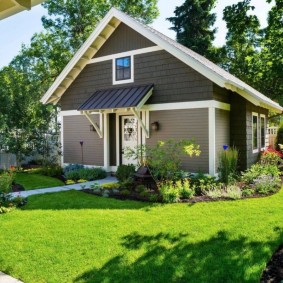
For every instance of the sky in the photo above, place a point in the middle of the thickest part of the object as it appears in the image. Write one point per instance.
(18, 29)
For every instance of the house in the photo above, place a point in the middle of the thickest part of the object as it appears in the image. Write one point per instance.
(129, 84)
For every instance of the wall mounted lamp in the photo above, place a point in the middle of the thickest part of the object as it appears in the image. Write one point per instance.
(155, 126)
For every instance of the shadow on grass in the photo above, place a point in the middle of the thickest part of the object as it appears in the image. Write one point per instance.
(167, 258)
(79, 200)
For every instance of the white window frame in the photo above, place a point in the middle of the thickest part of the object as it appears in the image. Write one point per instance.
(118, 82)
(264, 127)
(255, 150)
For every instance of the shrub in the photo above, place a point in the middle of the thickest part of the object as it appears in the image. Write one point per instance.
(258, 170)
(246, 192)
(125, 192)
(72, 167)
(233, 192)
(110, 186)
(140, 188)
(145, 194)
(86, 174)
(213, 193)
(52, 171)
(82, 181)
(6, 182)
(69, 182)
(154, 197)
(271, 158)
(201, 183)
(228, 160)
(279, 137)
(266, 184)
(184, 188)
(127, 184)
(169, 192)
(124, 172)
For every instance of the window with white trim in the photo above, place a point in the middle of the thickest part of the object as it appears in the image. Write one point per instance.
(123, 70)
(255, 132)
(262, 131)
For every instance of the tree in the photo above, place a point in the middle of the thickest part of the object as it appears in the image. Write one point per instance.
(193, 24)
(76, 19)
(242, 40)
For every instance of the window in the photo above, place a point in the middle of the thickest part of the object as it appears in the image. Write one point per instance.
(123, 70)
(262, 131)
(255, 132)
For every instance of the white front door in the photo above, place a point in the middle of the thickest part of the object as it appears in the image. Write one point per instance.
(129, 131)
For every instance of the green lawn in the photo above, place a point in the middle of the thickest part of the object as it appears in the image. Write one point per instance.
(32, 181)
(75, 237)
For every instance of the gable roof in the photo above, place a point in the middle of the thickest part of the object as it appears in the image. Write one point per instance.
(205, 67)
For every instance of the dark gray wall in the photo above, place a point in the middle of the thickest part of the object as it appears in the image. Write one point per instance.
(112, 139)
(123, 39)
(76, 129)
(222, 133)
(184, 124)
(241, 129)
(174, 81)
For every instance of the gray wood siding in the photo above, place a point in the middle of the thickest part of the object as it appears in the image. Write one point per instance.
(174, 81)
(76, 129)
(183, 124)
(222, 132)
(122, 40)
(221, 94)
(241, 129)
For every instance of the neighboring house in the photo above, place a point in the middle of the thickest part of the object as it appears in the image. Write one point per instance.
(11, 7)
(132, 85)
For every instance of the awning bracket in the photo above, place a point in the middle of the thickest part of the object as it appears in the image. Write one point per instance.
(136, 114)
(99, 129)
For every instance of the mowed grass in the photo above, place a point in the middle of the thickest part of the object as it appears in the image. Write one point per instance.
(31, 181)
(76, 237)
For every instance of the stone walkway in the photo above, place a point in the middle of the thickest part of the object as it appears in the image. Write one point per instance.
(4, 278)
(77, 187)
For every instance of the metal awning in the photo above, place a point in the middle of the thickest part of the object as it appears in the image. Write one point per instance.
(130, 98)
(117, 98)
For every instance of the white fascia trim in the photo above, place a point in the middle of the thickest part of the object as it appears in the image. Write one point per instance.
(212, 140)
(70, 113)
(187, 105)
(254, 114)
(125, 54)
(114, 81)
(100, 27)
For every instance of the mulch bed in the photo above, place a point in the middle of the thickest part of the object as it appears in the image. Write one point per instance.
(274, 270)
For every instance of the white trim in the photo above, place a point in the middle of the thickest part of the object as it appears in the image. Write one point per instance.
(262, 116)
(119, 82)
(212, 140)
(125, 54)
(106, 141)
(187, 105)
(70, 113)
(62, 137)
(254, 114)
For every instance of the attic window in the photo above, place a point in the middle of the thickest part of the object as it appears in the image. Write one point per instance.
(123, 70)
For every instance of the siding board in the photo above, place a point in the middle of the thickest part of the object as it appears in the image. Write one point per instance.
(75, 129)
(183, 124)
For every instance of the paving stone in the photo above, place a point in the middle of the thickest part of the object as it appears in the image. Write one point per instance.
(4, 278)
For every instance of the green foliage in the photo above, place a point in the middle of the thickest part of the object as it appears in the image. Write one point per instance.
(228, 160)
(233, 192)
(279, 137)
(52, 171)
(183, 186)
(81, 181)
(7, 202)
(125, 192)
(72, 167)
(202, 183)
(154, 197)
(70, 182)
(128, 183)
(6, 181)
(193, 24)
(140, 188)
(145, 194)
(266, 184)
(270, 158)
(124, 172)
(169, 192)
(248, 191)
(213, 193)
(88, 174)
(257, 170)
(110, 186)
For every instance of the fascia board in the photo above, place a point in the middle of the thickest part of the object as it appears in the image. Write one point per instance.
(78, 55)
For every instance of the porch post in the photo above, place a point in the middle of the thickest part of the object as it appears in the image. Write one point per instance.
(105, 117)
(211, 141)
